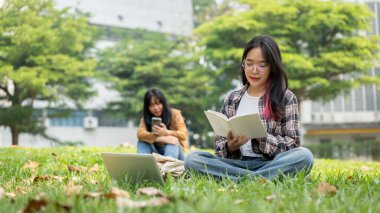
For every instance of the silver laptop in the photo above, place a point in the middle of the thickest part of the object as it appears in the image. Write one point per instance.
(133, 168)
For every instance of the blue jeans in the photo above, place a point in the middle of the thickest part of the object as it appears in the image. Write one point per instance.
(289, 162)
(168, 150)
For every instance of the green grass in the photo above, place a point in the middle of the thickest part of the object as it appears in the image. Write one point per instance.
(357, 185)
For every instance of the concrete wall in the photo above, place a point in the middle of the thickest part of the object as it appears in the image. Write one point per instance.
(101, 136)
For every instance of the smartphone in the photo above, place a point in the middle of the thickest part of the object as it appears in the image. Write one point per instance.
(156, 121)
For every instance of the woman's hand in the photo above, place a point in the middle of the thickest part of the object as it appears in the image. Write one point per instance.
(160, 130)
(234, 142)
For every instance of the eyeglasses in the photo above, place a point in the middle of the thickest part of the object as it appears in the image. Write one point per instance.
(248, 66)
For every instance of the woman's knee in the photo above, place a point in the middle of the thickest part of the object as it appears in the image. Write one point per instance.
(144, 147)
(194, 158)
(305, 156)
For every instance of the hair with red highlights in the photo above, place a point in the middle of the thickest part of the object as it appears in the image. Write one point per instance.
(277, 83)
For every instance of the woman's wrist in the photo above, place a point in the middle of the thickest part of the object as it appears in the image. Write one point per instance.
(227, 148)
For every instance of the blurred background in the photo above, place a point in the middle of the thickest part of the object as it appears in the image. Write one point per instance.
(75, 72)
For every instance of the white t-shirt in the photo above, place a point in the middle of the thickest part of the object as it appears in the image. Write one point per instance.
(248, 105)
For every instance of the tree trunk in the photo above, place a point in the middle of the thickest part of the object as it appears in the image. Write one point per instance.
(15, 134)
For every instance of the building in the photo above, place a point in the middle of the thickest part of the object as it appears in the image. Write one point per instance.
(93, 126)
(352, 117)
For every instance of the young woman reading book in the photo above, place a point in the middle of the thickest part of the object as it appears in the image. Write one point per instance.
(162, 129)
(265, 91)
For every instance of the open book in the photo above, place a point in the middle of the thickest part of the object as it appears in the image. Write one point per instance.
(249, 125)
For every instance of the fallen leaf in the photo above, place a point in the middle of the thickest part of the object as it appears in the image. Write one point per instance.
(93, 181)
(35, 205)
(70, 190)
(94, 168)
(10, 195)
(115, 193)
(66, 207)
(2, 192)
(39, 204)
(326, 189)
(71, 182)
(31, 165)
(365, 168)
(262, 180)
(150, 191)
(46, 178)
(271, 197)
(20, 190)
(75, 168)
(92, 194)
(126, 202)
(239, 201)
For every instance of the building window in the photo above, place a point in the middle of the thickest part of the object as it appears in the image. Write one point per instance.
(369, 98)
(359, 99)
(364, 139)
(325, 140)
(338, 104)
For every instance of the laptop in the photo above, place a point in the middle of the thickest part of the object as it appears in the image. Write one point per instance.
(134, 168)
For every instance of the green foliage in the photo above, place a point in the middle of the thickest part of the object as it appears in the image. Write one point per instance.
(357, 185)
(43, 56)
(142, 60)
(324, 47)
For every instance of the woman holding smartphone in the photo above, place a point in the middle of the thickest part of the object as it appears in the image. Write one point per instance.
(162, 129)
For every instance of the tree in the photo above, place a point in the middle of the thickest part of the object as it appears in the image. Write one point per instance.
(43, 57)
(143, 59)
(324, 45)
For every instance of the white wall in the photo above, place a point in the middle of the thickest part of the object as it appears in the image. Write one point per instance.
(101, 136)
(169, 16)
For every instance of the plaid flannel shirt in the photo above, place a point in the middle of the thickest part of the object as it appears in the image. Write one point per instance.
(283, 134)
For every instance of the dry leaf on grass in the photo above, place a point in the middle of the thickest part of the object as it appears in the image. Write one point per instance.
(71, 182)
(39, 204)
(115, 193)
(365, 168)
(92, 181)
(70, 190)
(35, 205)
(271, 197)
(75, 168)
(262, 180)
(150, 191)
(239, 201)
(79, 169)
(10, 195)
(92, 194)
(326, 189)
(31, 165)
(94, 168)
(126, 202)
(20, 190)
(42, 178)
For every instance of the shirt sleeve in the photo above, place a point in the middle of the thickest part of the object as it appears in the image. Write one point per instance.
(290, 129)
(220, 147)
(143, 134)
(179, 130)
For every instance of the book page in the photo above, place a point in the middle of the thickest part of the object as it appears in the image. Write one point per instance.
(249, 125)
(218, 122)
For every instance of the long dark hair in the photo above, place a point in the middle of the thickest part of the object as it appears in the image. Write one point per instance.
(277, 82)
(166, 112)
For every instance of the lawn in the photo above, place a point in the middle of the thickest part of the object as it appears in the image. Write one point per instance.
(71, 179)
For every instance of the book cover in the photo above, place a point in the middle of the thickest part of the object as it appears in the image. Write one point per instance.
(249, 125)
